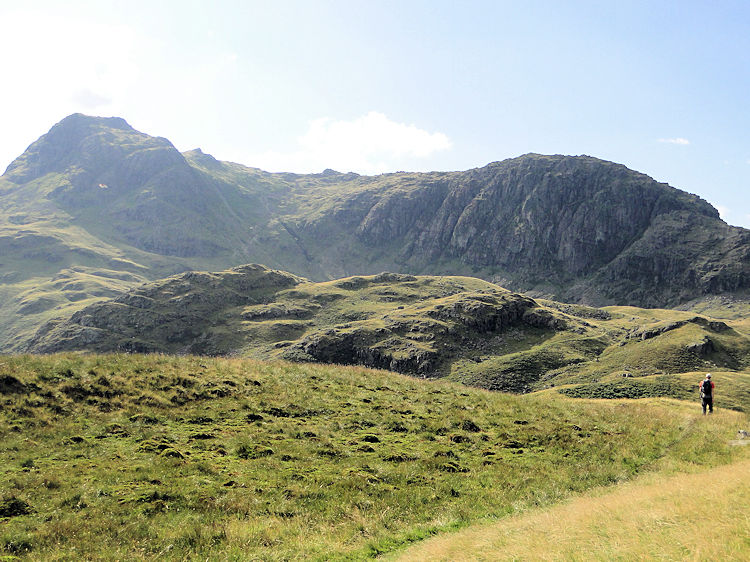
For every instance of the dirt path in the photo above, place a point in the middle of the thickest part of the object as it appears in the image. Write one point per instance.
(655, 518)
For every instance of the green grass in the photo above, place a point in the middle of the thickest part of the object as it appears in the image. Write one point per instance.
(659, 517)
(142, 457)
(36, 301)
(733, 389)
(523, 371)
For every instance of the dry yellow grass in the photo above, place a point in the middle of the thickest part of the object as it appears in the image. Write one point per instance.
(657, 518)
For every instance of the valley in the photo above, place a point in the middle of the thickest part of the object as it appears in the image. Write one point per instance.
(202, 360)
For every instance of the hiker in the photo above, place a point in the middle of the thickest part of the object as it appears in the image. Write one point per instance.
(707, 394)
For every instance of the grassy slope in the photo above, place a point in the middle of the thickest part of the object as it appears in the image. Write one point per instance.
(699, 516)
(129, 457)
(393, 317)
(662, 365)
(33, 302)
(50, 268)
(664, 353)
(38, 243)
(43, 238)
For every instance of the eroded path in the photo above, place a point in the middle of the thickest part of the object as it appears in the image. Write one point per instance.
(699, 516)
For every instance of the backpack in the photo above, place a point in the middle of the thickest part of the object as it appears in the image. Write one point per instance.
(706, 388)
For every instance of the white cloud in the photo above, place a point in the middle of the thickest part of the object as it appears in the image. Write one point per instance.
(56, 65)
(743, 221)
(67, 56)
(677, 140)
(89, 99)
(369, 144)
(733, 217)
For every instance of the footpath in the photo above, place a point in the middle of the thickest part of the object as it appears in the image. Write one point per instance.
(696, 516)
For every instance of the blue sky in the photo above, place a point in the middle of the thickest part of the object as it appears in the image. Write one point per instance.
(379, 86)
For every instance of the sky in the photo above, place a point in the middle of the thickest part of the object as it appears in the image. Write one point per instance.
(379, 86)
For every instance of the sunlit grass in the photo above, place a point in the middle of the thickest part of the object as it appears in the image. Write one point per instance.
(155, 456)
(697, 516)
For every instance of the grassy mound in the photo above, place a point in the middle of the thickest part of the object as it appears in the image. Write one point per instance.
(144, 456)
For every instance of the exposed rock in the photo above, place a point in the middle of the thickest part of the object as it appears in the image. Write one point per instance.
(648, 333)
(701, 348)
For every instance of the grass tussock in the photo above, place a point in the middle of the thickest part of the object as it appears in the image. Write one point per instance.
(699, 516)
(184, 458)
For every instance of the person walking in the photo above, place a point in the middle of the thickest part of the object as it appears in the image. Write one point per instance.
(706, 387)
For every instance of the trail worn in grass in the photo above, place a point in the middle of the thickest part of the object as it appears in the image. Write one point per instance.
(111, 457)
(698, 516)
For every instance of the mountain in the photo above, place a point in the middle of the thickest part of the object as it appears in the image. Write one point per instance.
(94, 208)
(462, 328)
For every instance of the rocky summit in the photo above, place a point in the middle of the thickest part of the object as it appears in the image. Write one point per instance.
(94, 208)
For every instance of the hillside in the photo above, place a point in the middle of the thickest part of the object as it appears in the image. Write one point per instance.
(461, 328)
(128, 456)
(95, 207)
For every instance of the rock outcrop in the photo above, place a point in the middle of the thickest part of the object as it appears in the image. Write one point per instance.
(172, 315)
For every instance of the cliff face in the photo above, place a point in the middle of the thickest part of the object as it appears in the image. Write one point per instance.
(94, 199)
(567, 215)
(576, 228)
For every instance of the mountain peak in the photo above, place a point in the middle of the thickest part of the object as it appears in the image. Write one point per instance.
(74, 135)
(79, 120)
(197, 156)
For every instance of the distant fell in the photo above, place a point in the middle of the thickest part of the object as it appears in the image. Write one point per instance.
(67, 144)
(94, 200)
